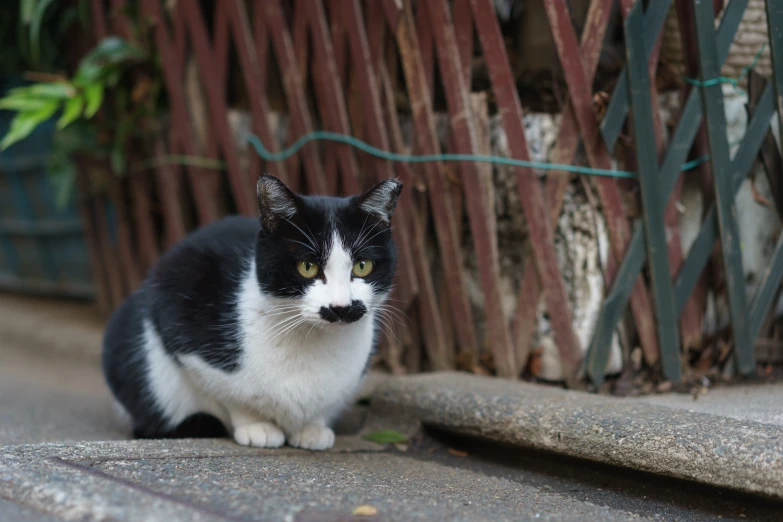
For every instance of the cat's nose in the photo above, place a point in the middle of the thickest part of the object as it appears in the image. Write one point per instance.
(347, 314)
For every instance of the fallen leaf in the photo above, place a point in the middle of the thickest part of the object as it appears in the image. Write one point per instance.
(386, 437)
(458, 453)
(365, 511)
(401, 447)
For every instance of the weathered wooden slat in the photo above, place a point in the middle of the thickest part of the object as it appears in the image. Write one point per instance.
(92, 238)
(301, 122)
(680, 144)
(110, 254)
(442, 211)
(597, 154)
(361, 53)
(653, 205)
(146, 238)
(769, 155)
(693, 314)
(743, 161)
(330, 94)
(715, 116)
(173, 70)
(775, 26)
(566, 145)
(530, 190)
(480, 214)
(463, 28)
(767, 290)
(426, 46)
(613, 120)
(216, 102)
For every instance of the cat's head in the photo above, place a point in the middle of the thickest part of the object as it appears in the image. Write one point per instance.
(333, 259)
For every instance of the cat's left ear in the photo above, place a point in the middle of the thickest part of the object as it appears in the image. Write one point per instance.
(276, 202)
(381, 200)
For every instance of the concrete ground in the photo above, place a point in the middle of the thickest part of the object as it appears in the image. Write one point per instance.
(754, 402)
(63, 457)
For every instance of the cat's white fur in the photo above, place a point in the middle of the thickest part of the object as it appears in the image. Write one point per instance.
(296, 370)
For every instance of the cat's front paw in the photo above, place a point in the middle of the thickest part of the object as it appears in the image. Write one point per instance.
(312, 437)
(259, 435)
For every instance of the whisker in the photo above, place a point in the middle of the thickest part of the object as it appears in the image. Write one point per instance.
(309, 238)
(303, 244)
(376, 234)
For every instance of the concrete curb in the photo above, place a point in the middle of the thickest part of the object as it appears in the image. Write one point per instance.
(741, 455)
(51, 326)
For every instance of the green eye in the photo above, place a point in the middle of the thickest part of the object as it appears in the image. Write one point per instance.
(362, 268)
(307, 269)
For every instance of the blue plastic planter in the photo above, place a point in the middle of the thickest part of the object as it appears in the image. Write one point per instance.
(42, 247)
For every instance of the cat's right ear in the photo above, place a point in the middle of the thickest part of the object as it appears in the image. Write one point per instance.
(276, 202)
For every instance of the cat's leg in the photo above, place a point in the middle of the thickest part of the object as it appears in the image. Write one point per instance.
(252, 430)
(314, 435)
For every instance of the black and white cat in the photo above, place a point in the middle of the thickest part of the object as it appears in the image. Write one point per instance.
(263, 329)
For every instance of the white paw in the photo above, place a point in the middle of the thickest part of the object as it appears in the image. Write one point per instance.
(312, 437)
(259, 435)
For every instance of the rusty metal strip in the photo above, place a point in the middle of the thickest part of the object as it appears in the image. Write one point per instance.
(442, 210)
(480, 214)
(598, 157)
(530, 191)
(300, 121)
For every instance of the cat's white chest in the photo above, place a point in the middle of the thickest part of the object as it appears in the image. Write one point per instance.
(307, 374)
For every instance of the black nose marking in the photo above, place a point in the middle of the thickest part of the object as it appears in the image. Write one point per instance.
(346, 314)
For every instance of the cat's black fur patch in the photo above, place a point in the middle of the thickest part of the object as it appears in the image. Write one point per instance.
(194, 287)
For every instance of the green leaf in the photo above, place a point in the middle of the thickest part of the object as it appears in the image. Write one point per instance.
(112, 50)
(94, 95)
(35, 27)
(25, 123)
(22, 103)
(57, 91)
(73, 109)
(27, 10)
(386, 437)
